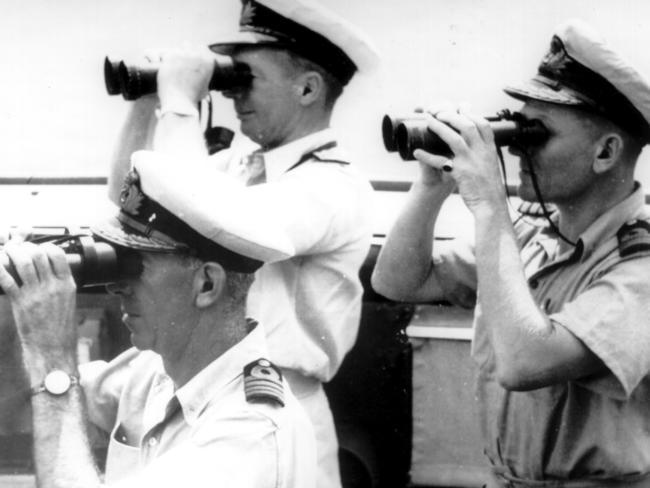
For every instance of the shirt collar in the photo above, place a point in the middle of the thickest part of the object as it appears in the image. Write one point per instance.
(278, 160)
(195, 395)
(547, 237)
(611, 221)
(600, 230)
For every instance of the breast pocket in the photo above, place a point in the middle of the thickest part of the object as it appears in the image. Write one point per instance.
(122, 459)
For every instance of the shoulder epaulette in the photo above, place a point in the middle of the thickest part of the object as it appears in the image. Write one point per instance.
(633, 237)
(325, 154)
(263, 382)
(331, 155)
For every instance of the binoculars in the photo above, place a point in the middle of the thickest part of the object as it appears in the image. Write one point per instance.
(133, 80)
(92, 262)
(406, 134)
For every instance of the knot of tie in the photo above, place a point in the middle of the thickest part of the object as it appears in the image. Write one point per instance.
(253, 170)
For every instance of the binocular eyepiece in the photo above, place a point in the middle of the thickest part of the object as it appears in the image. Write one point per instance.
(92, 262)
(133, 80)
(406, 134)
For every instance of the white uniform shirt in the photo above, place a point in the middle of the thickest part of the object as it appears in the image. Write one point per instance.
(310, 304)
(211, 437)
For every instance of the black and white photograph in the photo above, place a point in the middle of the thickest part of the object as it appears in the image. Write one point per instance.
(325, 244)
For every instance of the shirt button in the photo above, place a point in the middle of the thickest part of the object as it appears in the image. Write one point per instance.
(152, 442)
(534, 284)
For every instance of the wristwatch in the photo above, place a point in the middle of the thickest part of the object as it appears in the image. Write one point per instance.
(57, 382)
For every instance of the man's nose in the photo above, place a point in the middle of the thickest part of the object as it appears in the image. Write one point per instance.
(121, 287)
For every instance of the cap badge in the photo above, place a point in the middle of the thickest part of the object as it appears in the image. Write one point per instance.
(131, 195)
(247, 13)
(263, 382)
(557, 55)
(556, 61)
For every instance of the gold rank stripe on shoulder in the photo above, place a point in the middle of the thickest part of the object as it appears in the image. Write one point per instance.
(332, 155)
(633, 237)
(263, 383)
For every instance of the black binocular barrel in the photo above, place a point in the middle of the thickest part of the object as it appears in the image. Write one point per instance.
(389, 129)
(406, 134)
(95, 264)
(134, 80)
(111, 76)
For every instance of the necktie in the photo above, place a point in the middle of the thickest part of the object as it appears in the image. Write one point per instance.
(252, 169)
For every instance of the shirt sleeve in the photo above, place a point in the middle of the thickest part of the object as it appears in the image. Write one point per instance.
(612, 318)
(102, 383)
(317, 206)
(320, 206)
(454, 264)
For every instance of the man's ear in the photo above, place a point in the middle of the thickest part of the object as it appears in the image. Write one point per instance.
(309, 87)
(609, 149)
(209, 284)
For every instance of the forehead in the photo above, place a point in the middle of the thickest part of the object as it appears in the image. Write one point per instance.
(164, 259)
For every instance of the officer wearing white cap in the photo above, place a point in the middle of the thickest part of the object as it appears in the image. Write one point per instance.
(300, 56)
(562, 322)
(196, 402)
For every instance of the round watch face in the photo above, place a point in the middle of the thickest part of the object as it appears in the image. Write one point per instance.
(57, 382)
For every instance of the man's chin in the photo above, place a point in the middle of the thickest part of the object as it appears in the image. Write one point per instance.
(140, 343)
(527, 193)
(251, 131)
